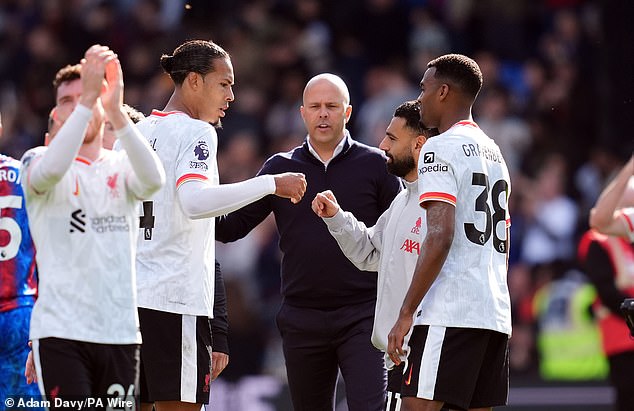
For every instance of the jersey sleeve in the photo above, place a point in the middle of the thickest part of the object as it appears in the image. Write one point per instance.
(62, 150)
(437, 179)
(238, 224)
(30, 158)
(197, 157)
(362, 245)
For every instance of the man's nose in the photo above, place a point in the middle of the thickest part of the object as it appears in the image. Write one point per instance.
(383, 146)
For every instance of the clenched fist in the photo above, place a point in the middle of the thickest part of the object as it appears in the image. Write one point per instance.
(325, 204)
(290, 185)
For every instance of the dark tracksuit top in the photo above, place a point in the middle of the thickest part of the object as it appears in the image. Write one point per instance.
(220, 322)
(315, 273)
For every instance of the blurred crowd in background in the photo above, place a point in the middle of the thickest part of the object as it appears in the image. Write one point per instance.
(557, 98)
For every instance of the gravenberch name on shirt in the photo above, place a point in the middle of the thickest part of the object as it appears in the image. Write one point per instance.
(488, 153)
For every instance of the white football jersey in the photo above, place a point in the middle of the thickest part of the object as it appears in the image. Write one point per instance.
(85, 232)
(465, 168)
(175, 254)
(391, 247)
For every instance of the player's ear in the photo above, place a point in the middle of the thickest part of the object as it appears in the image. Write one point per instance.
(193, 79)
(348, 112)
(419, 141)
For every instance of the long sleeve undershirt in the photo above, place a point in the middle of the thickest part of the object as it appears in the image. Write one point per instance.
(202, 200)
(148, 174)
(61, 152)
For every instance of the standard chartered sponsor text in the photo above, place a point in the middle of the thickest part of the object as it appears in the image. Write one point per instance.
(110, 223)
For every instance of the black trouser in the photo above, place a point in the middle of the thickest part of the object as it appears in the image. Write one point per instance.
(319, 343)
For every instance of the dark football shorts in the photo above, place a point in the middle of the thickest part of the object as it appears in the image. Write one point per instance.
(78, 370)
(394, 382)
(463, 367)
(175, 357)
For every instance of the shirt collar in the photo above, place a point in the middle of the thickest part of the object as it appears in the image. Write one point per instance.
(410, 185)
(340, 147)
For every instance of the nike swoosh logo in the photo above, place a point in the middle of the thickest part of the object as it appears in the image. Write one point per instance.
(409, 377)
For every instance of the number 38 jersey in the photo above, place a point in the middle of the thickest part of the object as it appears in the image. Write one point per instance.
(464, 167)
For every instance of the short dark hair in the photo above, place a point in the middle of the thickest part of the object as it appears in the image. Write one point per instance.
(459, 70)
(410, 111)
(192, 56)
(68, 73)
(134, 114)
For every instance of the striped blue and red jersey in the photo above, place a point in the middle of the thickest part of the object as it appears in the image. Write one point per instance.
(18, 271)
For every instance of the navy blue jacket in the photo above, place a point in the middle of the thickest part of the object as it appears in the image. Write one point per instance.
(315, 273)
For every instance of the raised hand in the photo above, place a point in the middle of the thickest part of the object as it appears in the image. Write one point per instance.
(290, 185)
(93, 67)
(112, 93)
(325, 204)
